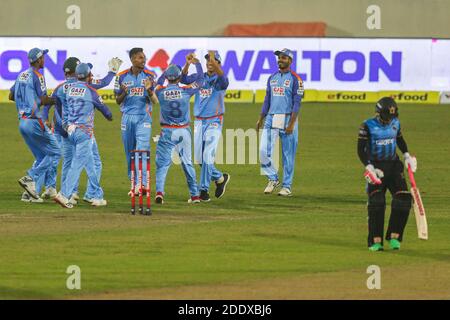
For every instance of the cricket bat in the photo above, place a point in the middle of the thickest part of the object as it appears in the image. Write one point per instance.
(419, 210)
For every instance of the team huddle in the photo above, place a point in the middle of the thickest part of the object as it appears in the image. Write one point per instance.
(70, 134)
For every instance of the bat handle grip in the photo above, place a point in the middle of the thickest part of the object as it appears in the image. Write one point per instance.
(411, 177)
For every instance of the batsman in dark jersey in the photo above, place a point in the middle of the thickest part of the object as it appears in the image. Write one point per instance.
(377, 142)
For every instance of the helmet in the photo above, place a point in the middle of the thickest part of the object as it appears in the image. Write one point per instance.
(71, 64)
(387, 109)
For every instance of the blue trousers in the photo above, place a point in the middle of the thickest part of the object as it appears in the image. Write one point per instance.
(52, 172)
(68, 152)
(179, 140)
(289, 144)
(43, 145)
(207, 134)
(82, 158)
(136, 133)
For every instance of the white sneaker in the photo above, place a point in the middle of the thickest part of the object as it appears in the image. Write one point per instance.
(271, 185)
(26, 198)
(49, 193)
(88, 200)
(63, 201)
(72, 201)
(75, 196)
(28, 184)
(285, 192)
(98, 202)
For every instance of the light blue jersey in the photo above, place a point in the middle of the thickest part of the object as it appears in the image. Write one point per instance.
(209, 101)
(137, 100)
(283, 94)
(174, 101)
(81, 101)
(27, 90)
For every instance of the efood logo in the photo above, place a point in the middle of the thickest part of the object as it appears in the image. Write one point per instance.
(341, 96)
(403, 96)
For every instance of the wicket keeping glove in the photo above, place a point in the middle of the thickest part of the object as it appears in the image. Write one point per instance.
(410, 160)
(372, 175)
(114, 64)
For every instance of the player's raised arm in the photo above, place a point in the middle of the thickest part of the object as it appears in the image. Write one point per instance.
(113, 65)
(199, 77)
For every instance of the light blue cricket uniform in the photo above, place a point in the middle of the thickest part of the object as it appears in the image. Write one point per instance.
(81, 102)
(27, 90)
(175, 134)
(283, 96)
(61, 135)
(209, 108)
(136, 124)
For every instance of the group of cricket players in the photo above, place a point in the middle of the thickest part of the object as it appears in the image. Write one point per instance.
(69, 135)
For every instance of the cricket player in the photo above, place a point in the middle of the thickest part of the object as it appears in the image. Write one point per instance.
(175, 130)
(209, 109)
(279, 120)
(133, 89)
(78, 117)
(30, 93)
(377, 142)
(66, 147)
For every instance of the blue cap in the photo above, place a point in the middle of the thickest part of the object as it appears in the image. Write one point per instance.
(285, 52)
(35, 54)
(216, 56)
(173, 72)
(83, 70)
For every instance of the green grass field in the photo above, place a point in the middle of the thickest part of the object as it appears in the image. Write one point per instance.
(246, 245)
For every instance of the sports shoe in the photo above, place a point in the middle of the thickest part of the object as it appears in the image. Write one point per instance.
(49, 193)
(376, 247)
(98, 202)
(159, 199)
(204, 196)
(285, 192)
(63, 201)
(194, 199)
(221, 186)
(86, 199)
(271, 185)
(75, 196)
(394, 244)
(28, 184)
(73, 201)
(26, 198)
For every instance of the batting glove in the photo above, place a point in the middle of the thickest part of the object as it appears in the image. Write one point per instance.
(373, 175)
(410, 161)
(114, 64)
